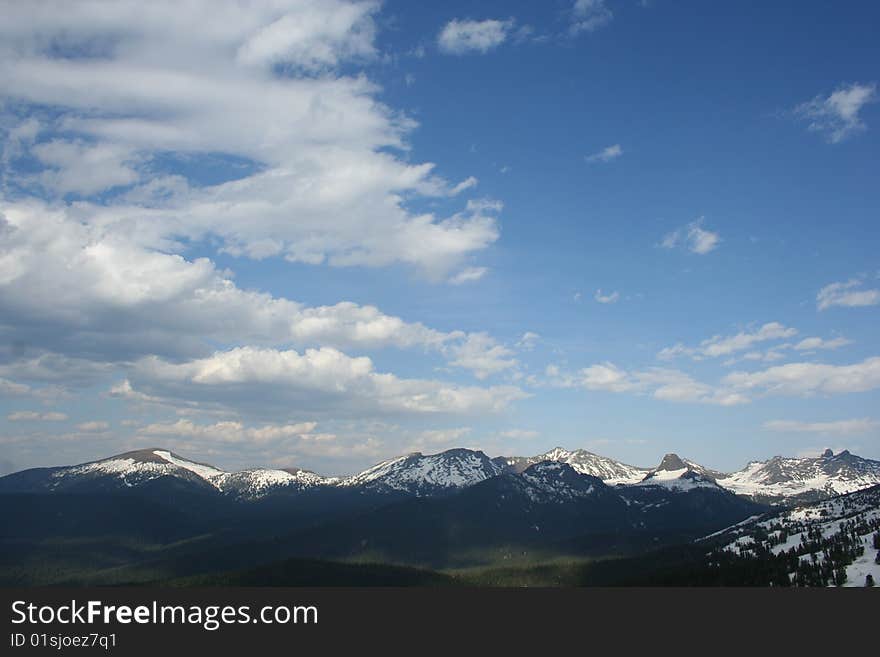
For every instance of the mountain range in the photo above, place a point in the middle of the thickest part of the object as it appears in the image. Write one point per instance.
(152, 515)
(776, 480)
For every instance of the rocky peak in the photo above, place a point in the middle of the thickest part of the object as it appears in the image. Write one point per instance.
(672, 462)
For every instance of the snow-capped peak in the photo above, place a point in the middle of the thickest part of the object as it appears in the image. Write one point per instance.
(607, 469)
(138, 467)
(420, 474)
(676, 473)
(681, 479)
(206, 472)
(782, 478)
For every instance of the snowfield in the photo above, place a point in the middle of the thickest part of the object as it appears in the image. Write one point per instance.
(818, 524)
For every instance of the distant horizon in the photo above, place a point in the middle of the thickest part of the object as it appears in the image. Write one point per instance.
(197, 459)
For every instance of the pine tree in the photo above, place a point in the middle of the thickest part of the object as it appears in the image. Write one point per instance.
(869, 580)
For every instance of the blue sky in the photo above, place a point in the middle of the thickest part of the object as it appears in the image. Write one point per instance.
(325, 233)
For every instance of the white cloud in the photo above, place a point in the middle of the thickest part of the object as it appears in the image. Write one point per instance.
(233, 431)
(663, 384)
(719, 345)
(606, 376)
(676, 386)
(589, 16)
(45, 393)
(465, 184)
(24, 416)
(693, 237)
(318, 380)
(606, 154)
(528, 341)
(323, 176)
(606, 298)
(793, 380)
(855, 426)
(837, 115)
(463, 36)
(83, 168)
(468, 275)
(13, 389)
(768, 356)
(202, 80)
(812, 344)
(312, 37)
(482, 355)
(847, 294)
(803, 379)
(100, 299)
(675, 351)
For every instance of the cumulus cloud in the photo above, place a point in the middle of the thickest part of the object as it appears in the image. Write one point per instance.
(322, 180)
(92, 299)
(313, 38)
(606, 154)
(325, 380)
(606, 376)
(589, 16)
(692, 237)
(848, 294)
(482, 355)
(855, 426)
(467, 36)
(837, 116)
(75, 166)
